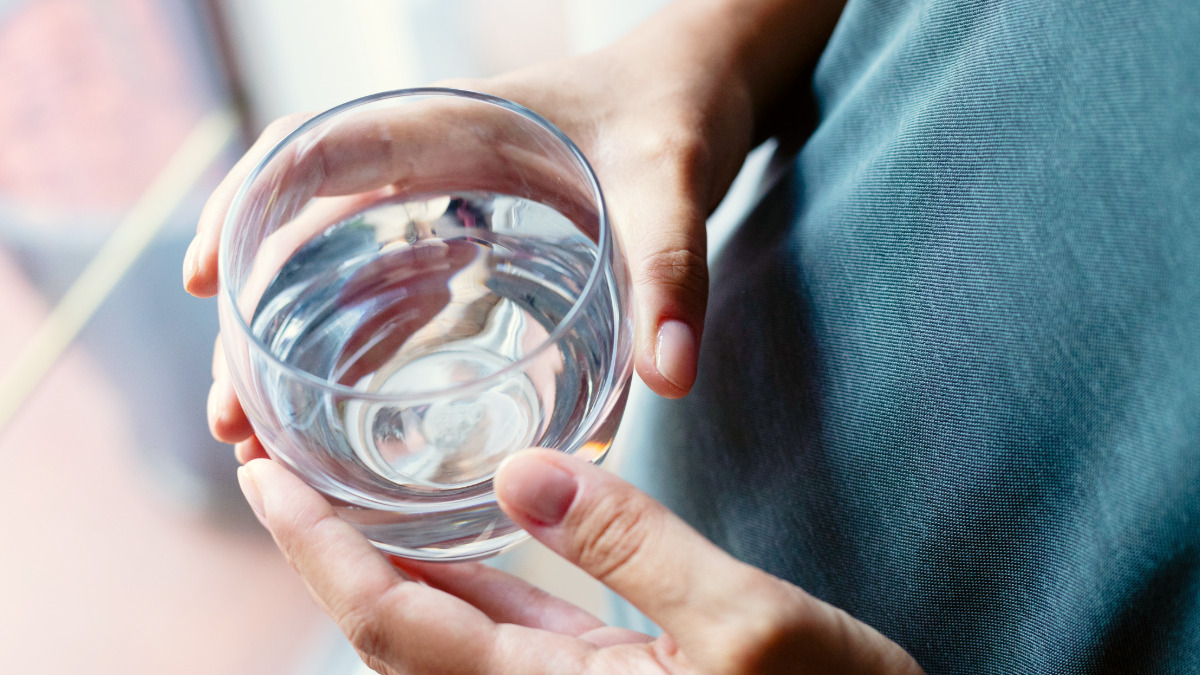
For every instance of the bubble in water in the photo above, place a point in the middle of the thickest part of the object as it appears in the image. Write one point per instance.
(450, 441)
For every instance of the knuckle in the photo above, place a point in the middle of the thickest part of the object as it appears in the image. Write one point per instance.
(364, 633)
(681, 268)
(300, 530)
(768, 636)
(613, 533)
(363, 621)
(676, 145)
(755, 649)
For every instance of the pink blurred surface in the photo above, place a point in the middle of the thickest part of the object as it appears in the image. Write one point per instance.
(96, 98)
(101, 572)
(106, 568)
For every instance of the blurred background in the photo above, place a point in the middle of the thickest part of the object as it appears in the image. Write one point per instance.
(127, 545)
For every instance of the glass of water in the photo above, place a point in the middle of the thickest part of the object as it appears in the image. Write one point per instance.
(415, 285)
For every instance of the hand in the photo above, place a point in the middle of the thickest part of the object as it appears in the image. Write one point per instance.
(666, 117)
(719, 615)
(665, 151)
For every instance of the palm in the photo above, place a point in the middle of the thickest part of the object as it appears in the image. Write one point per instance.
(528, 629)
(409, 617)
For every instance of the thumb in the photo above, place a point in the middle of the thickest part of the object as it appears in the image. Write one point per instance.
(662, 231)
(632, 544)
(722, 613)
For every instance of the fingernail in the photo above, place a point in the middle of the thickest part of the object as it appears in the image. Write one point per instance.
(253, 496)
(536, 488)
(675, 353)
(189, 262)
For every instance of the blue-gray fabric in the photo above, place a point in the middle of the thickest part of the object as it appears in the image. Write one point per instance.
(950, 380)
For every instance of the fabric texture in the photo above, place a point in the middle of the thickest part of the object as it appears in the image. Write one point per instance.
(950, 380)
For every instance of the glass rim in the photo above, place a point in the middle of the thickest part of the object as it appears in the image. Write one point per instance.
(604, 245)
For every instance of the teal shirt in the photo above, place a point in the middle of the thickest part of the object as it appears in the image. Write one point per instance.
(951, 373)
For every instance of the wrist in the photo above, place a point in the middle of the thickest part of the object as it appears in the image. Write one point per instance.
(762, 49)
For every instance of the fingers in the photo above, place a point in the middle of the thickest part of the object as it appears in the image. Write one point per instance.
(670, 289)
(200, 261)
(608, 636)
(655, 197)
(503, 597)
(662, 227)
(249, 450)
(411, 627)
(721, 613)
(393, 622)
(660, 177)
(405, 148)
(633, 544)
(226, 420)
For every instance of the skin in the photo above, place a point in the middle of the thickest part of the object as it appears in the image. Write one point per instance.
(666, 116)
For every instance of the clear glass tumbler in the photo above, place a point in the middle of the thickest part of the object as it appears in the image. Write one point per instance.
(415, 285)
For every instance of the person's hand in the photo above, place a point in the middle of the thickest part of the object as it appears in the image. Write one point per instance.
(665, 116)
(665, 144)
(718, 615)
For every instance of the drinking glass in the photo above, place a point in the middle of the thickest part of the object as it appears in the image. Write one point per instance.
(415, 285)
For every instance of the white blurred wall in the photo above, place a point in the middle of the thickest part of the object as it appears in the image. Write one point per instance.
(308, 55)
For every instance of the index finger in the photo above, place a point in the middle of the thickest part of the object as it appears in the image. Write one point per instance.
(383, 614)
(431, 145)
(199, 264)
(410, 627)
